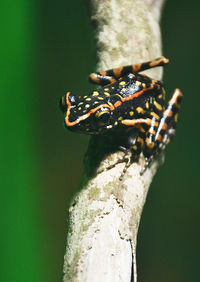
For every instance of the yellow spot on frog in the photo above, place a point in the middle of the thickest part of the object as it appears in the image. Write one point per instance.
(140, 110)
(138, 82)
(118, 95)
(95, 93)
(110, 104)
(158, 106)
(87, 106)
(122, 83)
(131, 114)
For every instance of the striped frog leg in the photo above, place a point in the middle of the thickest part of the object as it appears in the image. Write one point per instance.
(162, 130)
(109, 76)
(160, 134)
(167, 126)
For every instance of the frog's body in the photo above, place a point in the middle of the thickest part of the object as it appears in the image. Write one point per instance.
(127, 100)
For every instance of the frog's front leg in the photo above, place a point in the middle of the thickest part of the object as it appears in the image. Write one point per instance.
(135, 146)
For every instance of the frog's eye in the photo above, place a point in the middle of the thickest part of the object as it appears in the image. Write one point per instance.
(103, 117)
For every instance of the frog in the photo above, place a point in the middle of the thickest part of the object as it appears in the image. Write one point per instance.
(127, 101)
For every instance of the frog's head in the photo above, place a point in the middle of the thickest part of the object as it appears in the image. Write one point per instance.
(86, 114)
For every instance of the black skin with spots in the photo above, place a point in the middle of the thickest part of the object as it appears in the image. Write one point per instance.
(106, 122)
(131, 104)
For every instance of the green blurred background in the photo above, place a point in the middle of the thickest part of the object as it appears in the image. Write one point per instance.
(48, 47)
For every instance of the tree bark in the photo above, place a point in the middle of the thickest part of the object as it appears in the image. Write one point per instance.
(105, 215)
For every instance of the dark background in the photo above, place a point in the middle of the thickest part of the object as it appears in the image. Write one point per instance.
(48, 47)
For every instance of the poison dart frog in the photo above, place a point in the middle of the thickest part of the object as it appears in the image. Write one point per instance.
(126, 100)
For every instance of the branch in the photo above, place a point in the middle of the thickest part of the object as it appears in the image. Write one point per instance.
(105, 215)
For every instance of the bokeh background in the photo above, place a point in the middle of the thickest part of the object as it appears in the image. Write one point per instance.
(48, 47)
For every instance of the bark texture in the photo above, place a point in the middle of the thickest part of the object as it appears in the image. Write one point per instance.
(105, 215)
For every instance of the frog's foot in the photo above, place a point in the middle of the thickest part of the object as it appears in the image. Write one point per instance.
(127, 159)
(148, 161)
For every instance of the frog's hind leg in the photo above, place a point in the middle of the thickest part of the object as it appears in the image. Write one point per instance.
(162, 131)
(111, 75)
(149, 142)
(167, 126)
